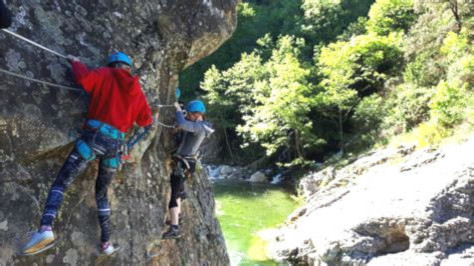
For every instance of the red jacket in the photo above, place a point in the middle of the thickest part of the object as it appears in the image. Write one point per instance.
(116, 96)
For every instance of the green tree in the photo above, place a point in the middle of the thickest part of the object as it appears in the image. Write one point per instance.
(255, 19)
(279, 119)
(354, 70)
(229, 94)
(387, 16)
(448, 104)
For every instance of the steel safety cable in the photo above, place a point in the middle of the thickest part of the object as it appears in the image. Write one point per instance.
(34, 43)
(39, 81)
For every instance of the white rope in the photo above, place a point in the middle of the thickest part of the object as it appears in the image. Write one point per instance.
(164, 125)
(56, 85)
(39, 81)
(67, 88)
(34, 43)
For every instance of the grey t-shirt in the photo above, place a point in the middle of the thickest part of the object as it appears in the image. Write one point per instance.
(194, 134)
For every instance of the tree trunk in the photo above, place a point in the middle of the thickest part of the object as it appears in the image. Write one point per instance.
(228, 144)
(454, 5)
(341, 133)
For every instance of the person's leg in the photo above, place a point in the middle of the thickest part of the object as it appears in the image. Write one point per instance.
(174, 212)
(107, 169)
(107, 149)
(44, 238)
(174, 207)
(74, 165)
(176, 182)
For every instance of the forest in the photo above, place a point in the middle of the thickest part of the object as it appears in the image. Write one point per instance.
(304, 81)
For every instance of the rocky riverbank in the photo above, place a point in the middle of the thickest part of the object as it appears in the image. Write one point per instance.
(397, 206)
(221, 172)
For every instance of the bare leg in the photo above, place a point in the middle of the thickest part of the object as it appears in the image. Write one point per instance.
(174, 213)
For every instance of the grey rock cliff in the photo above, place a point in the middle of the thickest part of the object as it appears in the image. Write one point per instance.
(392, 207)
(37, 129)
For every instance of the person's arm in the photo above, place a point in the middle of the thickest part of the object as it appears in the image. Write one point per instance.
(145, 121)
(182, 122)
(5, 16)
(145, 115)
(85, 77)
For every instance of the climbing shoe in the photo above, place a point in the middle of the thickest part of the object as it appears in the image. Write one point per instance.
(39, 242)
(173, 232)
(108, 249)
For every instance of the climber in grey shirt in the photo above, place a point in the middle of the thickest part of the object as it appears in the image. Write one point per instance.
(194, 134)
(195, 131)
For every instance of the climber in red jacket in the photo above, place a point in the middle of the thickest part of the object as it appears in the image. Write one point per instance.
(117, 102)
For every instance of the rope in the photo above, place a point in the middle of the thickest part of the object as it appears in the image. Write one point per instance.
(52, 84)
(39, 81)
(164, 125)
(34, 43)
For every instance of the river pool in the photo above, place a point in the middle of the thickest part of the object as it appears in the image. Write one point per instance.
(244, 211)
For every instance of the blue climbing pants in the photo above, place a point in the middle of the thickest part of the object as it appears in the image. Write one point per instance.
(91, 145)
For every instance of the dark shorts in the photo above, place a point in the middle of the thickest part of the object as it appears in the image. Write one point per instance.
(180, 173)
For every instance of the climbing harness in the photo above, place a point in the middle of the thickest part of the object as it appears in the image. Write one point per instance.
(34, 43)
(133, 140)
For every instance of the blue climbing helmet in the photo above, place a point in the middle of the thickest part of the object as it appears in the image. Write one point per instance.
(196, 106)
(119, 57)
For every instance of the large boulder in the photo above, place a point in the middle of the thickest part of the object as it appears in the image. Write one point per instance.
(258, 177)
(37, 129)
(393, 207)
(226, 170)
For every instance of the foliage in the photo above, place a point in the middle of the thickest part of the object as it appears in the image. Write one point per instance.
(254, 21)
(448, 104)
(358, 67)
(429, 133)
(231, 88)
(324, 20)
(352, 71)
(388, 16)
(369, 113)
(458, 58)
(279, 118)
(356, 28)
(407, 107)
(425, 70)
(305, 79)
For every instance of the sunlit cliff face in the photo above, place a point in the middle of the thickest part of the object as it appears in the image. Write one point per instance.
(38, 126)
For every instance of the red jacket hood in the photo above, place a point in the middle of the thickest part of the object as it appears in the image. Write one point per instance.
(126, 81)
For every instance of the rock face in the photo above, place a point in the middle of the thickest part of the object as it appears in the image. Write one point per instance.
(37, 129)
(393, 207)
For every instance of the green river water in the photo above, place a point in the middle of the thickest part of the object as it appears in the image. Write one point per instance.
(245, 209)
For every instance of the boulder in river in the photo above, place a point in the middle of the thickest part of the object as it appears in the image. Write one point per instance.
(258, 177)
